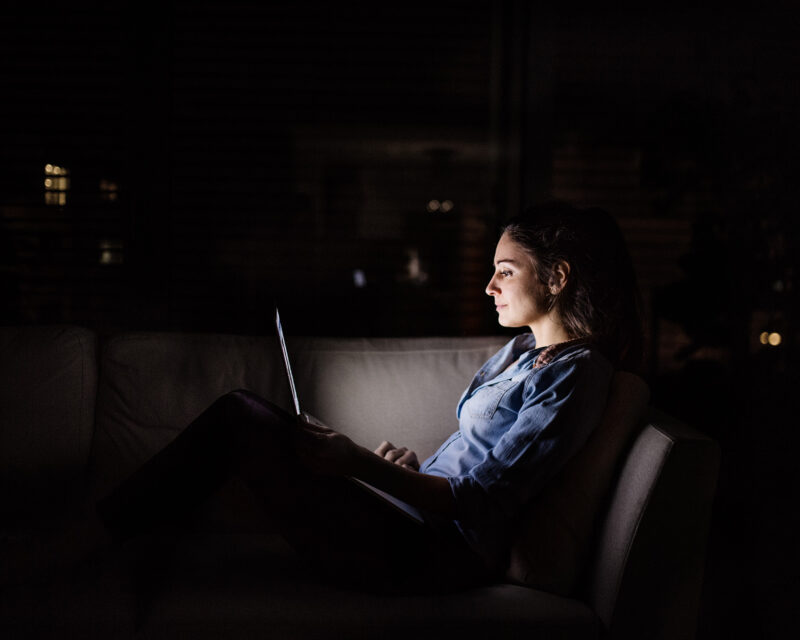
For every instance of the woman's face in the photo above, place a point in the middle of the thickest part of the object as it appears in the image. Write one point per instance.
(518, 294)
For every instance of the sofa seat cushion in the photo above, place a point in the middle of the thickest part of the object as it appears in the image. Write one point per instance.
(97, 599)
(48, 383)
(245, 586)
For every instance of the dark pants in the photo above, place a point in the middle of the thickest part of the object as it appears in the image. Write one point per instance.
(345, 532)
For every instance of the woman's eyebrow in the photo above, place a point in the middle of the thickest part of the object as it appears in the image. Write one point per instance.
(508, 260)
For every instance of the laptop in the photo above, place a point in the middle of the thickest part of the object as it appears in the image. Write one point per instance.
(403, 507)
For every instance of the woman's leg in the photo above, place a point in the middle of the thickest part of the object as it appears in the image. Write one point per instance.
(239, 430)
(339, 528)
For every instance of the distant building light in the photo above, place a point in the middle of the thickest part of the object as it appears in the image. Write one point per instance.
(55, 189)
(359, 278)
(433, 205)
(111, 252)
(447, 205)
(58, 198)
(764, 337)
(415, 273)
(774, 339)
(108, 190)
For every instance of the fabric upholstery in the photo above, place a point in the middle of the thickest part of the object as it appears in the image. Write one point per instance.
(252, 579)
(649, 560)
(48, 382)
(555, 537)
(407, 390)
(153, 385)
(644, 568)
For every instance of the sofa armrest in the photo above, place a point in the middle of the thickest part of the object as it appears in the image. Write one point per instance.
(650, 559)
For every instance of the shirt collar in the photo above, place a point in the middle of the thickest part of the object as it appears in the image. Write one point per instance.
(518, 354)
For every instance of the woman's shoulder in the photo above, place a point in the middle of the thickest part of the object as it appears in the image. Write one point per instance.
(583, 352)
(580, 361)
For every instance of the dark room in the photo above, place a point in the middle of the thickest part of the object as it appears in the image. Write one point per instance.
(172, 172)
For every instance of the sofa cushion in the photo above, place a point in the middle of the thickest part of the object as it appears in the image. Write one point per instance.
(153, 384)
(250, 586)
(48, 382)
(96, 599)
(404, 390)
(555, 536)
(648, 566)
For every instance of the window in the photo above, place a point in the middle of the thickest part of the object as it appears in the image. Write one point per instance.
(56, 184)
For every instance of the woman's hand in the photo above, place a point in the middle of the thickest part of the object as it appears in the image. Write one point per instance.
(324, 450)
(401, 455)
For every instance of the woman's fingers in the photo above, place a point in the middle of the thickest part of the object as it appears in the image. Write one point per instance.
(315, 427)
(408, 460)
(398, 455)
(384, 448)
(395, 454)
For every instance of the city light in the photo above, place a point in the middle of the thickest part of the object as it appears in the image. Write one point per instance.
(111, 252)
(435, 205)
(771, 338)
(55, 188)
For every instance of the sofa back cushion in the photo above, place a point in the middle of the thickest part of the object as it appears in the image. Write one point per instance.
(647, 571)
(153, 384)
(48, 383)
(404, 390)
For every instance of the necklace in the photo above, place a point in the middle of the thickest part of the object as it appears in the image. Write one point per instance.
(547, 355)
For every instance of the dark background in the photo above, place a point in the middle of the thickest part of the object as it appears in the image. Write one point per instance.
(353, 162)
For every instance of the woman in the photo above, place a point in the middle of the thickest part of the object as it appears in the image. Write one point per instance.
(561, 272)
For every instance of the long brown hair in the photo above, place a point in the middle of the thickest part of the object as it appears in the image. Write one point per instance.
(600, 300)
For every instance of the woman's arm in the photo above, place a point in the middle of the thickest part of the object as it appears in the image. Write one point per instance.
(328, 452)
(424, 491)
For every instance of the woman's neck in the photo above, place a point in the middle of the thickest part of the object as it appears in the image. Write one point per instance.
(548, 332)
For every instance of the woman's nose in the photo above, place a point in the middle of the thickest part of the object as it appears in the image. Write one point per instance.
(491, 288)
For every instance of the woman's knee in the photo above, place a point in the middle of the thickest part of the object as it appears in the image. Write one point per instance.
(244, 406)
(235, 404)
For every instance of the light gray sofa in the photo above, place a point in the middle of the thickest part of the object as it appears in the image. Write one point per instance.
(78, 414)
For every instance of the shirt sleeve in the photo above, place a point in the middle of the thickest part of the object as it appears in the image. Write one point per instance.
(561, 404)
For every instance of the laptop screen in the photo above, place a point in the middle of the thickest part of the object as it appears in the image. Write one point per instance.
(286, 363)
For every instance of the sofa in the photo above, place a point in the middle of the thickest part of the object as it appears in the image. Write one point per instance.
(79, 412)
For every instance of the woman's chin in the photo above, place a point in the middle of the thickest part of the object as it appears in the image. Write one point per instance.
(509, 323)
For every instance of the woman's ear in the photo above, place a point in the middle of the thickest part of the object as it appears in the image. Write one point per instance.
(560, 277)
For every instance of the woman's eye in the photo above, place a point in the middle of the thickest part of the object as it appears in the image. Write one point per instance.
(503, 273)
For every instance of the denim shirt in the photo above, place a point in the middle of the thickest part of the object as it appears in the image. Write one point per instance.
(518, 425)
